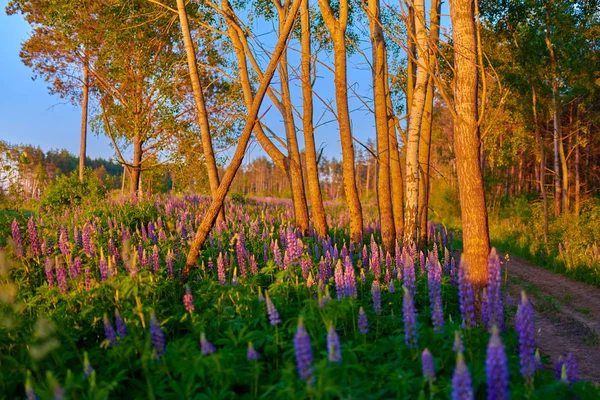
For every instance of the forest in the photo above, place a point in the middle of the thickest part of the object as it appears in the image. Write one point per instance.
(308, 199)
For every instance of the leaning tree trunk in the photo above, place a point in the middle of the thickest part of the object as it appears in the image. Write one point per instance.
(211, 214)
(467, 142)
(426, 127)
(384, 194)
(312, 170)
(207, 148)
(337, 29)
(414, 126)
(84, 119)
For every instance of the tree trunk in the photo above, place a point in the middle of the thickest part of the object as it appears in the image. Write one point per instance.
(136, 166)
(384, 195)
(542, 172)
(467, 143)
(209, 155)
(211, 214)
(395, 165)
(426, 127)
(577, 161)
(337, 29)
(411, 56)
(84, 118)
(414, 126)
(312, 169)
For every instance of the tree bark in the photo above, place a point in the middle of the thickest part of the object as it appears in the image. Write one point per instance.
(414, 126)
(312, 170)
(467, 143)
(136, 166)
(205, 135)
(542, 172)
(211, 214)
(426, 127)
(384, 195)
(84, 119)
(337, 30)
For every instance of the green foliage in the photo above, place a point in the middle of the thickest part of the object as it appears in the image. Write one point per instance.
(67, 191)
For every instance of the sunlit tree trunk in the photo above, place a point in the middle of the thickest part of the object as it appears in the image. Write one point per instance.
(337, 29)
(426, 127)
(411, 56)
(542, 172)
(312, 170)
(414, 126)
(476, 241)
(384, 194)
(205, 135)
(395, 165)
(136, 166)
(84, 119)
(211, 213)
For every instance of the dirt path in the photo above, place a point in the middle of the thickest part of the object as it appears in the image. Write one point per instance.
(567, 314)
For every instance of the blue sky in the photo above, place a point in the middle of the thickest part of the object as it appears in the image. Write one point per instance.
(30, 115)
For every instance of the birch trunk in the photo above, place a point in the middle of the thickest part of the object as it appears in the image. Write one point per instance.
(395, 166)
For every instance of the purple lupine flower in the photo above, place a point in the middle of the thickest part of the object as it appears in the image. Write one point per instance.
(496, 368)
(434, 277)
(205, 346)
(391, 287)
(155, 259)
(61, 276)
(88, 370)
(571, 368)
(75, 268)
(399, 265)
(63, 243)
(363, 324)
(376, 293)
(103, 266)
(427, 364)
(221, 269)
(333, 345)
(58, 392)
(158, 337)
(526, 330)
(340, 285)
(388, 268)
(88, 246)
(303, 352)
(326, 298)
(466, 296)
(422, 262)
(109, 332)
(410, 319)
(305, 264)
(494, 305)
(462, 388)
(458, 346)
(162, 235)
(272, 311)
(323, 269)
(112, 250)
(88, 280)
(120, 323)
(558, 368)
(234, 279)
(409, 274)
(188, 300)
(34, 241)
(277, 254)
(16, 237)
(49, 272)
(77, 238)
(374, 262)
(29, 392)
(252, 354)
(169, 261)
(365, 257)
(254, 265)
(242, 253)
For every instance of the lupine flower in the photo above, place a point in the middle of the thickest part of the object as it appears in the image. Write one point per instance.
(409, 274)
(466, 296)
(88, 246)
(242, 253)
(326, 298)
(188, 300)
(333, 345)
(120, 323)
(303, 352)
(58, 393)
(399, 265)
(376, 293)
(29, 392)
(365, 257)
(75, 268)
(155, 259)
(109, 332)
(391, 287)
(571, 368)
(434, 276)
(103, 266)
(221, 269)
(526, 331)
(458, 346)
(63, 243)
(16, 236)
(88, 370)
(462, 388)
(205, 346)
(252, 354)
(422, 262)
(272, 311)
(49, 272)
(350, 278)
(340, 286)
(558, 367)
(427, 364)
(305, 266)
(363, 324)
(496, 368)
(36, 248)
(169, 261)
(410, 319)
(495, 308)
(158, 337)
(261, 297)
(253, 265)
(88, 281)
(61, 277)
(234, 279)
(374, 263)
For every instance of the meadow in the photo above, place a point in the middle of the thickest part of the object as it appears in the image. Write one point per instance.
(94, 307)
